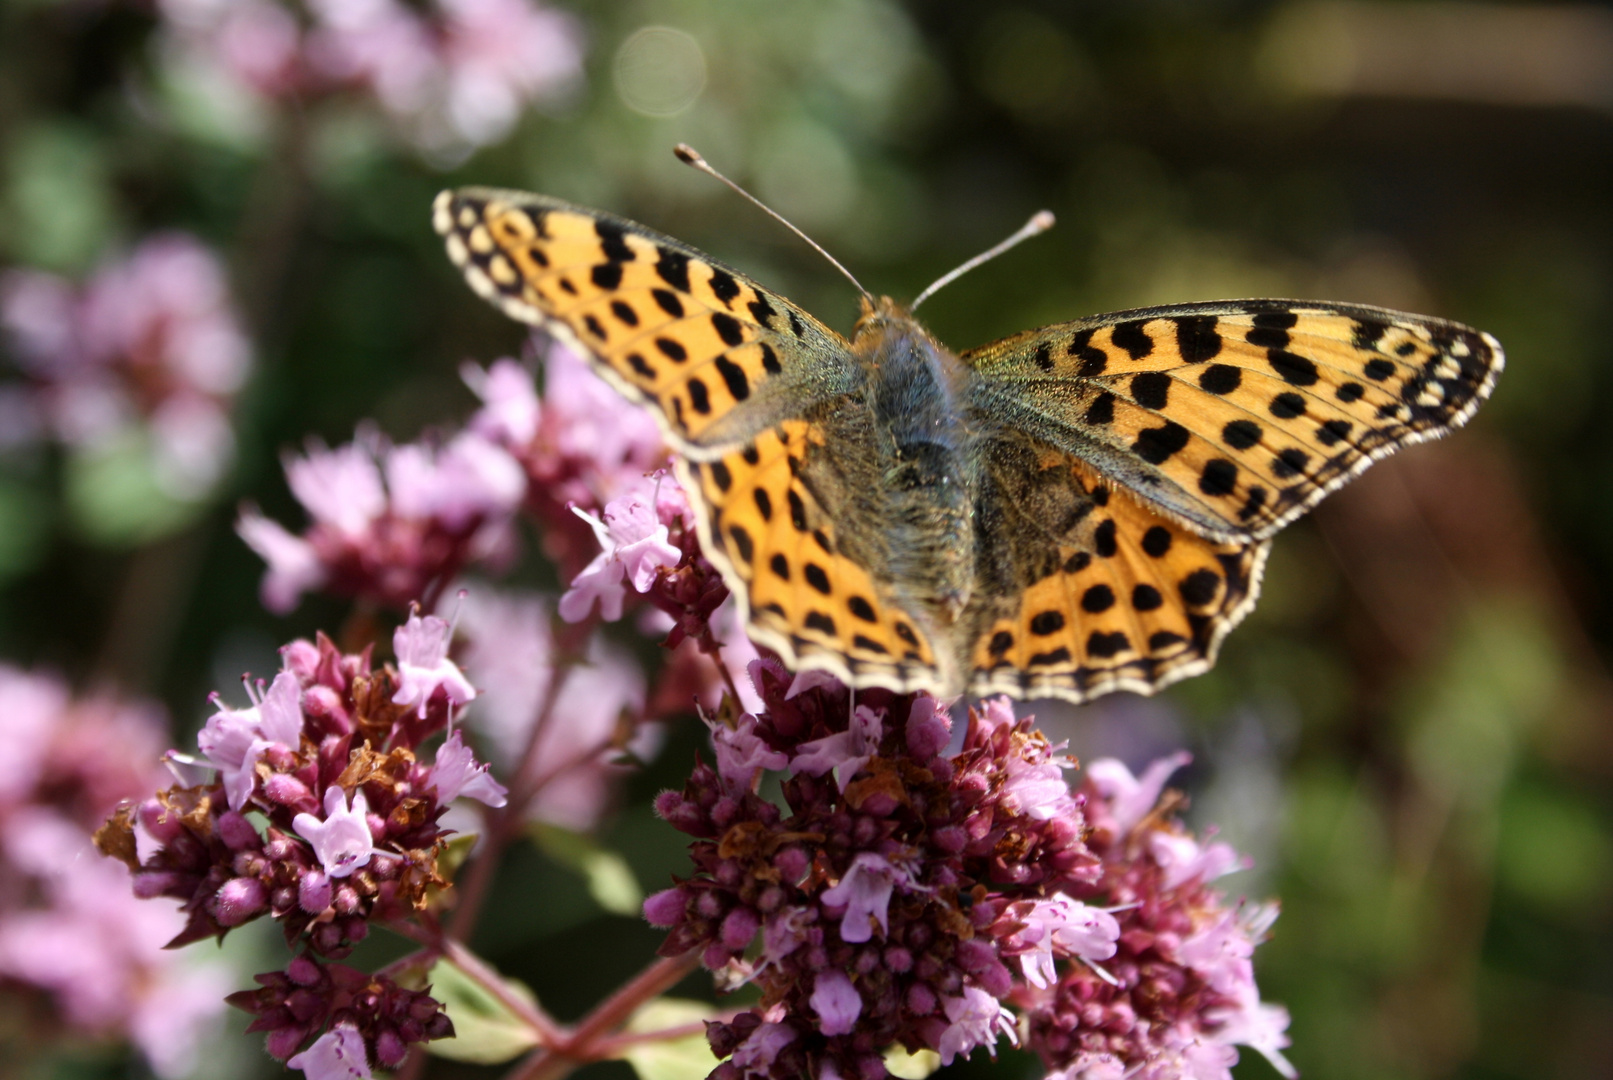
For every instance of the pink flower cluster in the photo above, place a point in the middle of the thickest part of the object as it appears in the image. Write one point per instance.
(150, 343)
(391, 524)
(906, 896)
(395, 524)
(74, 941)
(454, 76)
(327, 756)
(580, 443)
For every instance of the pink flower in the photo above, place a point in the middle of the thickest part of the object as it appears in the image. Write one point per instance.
(498, 56)
(1184, 859)
(1257, 1025)
(233, 739)
(149, 350)
(30, 706)
(836, 1002)
(342, 841)
(294, 566)
(635, 546)
(741, 753)
(755, 1056)
(421, 645)
(455, 773)
(510, 403)
(865, 893)
(975, 1019)
(469, 478)
(341, 487)
(844, 752)
(1063, 927)
(1130, 798)
(336, 1055)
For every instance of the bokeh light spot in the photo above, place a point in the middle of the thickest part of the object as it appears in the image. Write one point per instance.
(659, 71)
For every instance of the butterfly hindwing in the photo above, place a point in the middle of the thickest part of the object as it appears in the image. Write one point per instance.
(1238, 416)
(781, 549)
(719, 357)
(1103, 593)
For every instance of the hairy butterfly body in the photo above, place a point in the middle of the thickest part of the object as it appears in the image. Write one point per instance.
(1077, 509)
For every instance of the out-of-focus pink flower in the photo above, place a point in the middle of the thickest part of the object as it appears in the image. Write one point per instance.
(423, 665)
(294, 566)
(581, 442)
(1184, 858)
(70, 928)
(508, 652)
(1127, 798)
(510, 405)
(499, 56)
(467, 479)
(395, 540)
(339, 1054)
(151, 339)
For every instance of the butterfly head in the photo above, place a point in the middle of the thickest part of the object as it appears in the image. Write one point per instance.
(878, 316)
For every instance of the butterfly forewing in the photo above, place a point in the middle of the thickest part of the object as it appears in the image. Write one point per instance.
(718, 356)
(805, 598)
(1237, 417)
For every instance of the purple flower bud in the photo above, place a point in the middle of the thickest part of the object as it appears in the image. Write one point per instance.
(921, 999)
(283, 1042)
(237, 831)
(239, 900)
(792, 864)
(928, 729)
(304, 971)
(346, 900)
(739, 928)
(163, 825)
(286, 790)
(666, 908)
(314, 891)
(389, 1049)
(150, 884)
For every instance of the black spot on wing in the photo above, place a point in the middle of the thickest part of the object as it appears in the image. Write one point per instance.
(673, 266)
(613, 241)
(1131, 337)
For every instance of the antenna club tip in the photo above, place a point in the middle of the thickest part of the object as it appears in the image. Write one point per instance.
(688, 154)
(1042, 220)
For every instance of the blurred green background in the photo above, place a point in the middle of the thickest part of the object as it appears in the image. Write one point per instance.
(1411, 734)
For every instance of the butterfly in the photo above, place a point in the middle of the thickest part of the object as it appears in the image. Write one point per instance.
(1073, 510)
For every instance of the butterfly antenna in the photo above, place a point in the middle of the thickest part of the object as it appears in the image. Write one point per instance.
(691, 157)
(1040, 222)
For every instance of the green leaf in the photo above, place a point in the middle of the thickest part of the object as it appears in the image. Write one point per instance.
(685, 1058)
(486, 1032)
(610, 880)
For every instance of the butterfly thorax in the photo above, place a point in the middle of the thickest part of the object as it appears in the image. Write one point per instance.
(914, 389)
